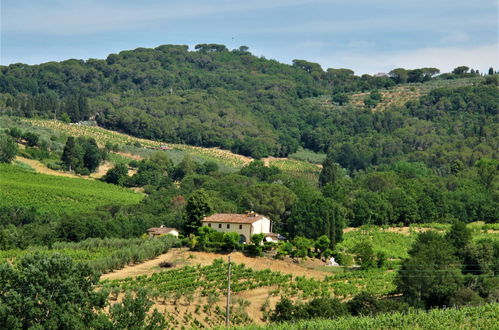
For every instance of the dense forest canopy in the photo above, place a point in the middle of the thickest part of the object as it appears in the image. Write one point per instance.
(212, 97)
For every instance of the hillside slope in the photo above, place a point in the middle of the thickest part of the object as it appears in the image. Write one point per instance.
(209, 97)
(57, 195)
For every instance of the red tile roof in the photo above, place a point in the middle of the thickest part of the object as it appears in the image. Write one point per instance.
(233, 218)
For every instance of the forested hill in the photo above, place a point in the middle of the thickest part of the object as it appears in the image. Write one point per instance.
(253, 106)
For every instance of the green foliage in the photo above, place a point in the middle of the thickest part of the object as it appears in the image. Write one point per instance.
(302, 247)
(365, 256)
(364, 304)
(72, 156)
(329, 308)
(49, 291)
(459, 235)
(198, 207)
(341, 99)
(431, 274)
(484, 316)
(258, 170)
(8, 149)
(314, 217)
(51, 195)
(322, 244)
(272, 200)
(231, 241)
(487, 171)
(133, 313)
(117, 175)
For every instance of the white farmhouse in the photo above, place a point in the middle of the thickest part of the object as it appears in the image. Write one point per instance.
(245, 225)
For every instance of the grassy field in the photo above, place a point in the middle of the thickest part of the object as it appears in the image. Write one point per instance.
(58, 195)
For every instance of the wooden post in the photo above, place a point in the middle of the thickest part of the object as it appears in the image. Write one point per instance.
(227, 308)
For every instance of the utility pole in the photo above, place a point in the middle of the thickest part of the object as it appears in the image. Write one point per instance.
(227, 308)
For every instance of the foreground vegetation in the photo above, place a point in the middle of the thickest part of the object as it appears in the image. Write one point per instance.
(481, 317)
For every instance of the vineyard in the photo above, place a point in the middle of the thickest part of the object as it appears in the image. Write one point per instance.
(175, 290)
(58, 195)
(478, 317)
(227, 160)
(296, 167)
(103, 136)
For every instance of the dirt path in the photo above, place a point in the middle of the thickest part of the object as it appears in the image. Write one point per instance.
(101, 171)
(183, 257)
(41, 168)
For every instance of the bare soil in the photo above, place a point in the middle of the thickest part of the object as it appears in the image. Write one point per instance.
(183, 256)
(41, 168)
(181, 310)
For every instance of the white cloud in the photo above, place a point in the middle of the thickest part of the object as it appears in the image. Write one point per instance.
(479, 57)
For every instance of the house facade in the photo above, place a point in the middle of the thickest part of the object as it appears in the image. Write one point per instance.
(245, 225)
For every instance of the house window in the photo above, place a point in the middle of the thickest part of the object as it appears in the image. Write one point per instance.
(240, 226)
(228, 226)
(209, 225)
(219, 225)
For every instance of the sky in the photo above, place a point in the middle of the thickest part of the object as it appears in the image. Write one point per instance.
(367, 36)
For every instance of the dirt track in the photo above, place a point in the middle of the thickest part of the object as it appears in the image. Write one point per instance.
(185, 257)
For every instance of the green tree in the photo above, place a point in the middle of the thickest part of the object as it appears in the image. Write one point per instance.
(231, 241)
(273, 200)
(341, 99)
(117, 175)
(31, 139)
(91, 154)
(364, 255)
(198, 206)
(459, 235)
(399, 75)
(258, 170)
(363, 303)
(322, 244)
(431, 274)
(72, 154)
(460, 70)
(186, 167)
(48, 291)
(133, 313)
(317, 216)
(330, 173)
(302, 247)
(8, 149)
(487, 171)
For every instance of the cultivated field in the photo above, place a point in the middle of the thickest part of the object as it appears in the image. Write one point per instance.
(227, 160)
(192, 294)
(56, 194)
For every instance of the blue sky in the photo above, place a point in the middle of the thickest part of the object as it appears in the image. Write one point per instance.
(367, 36)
